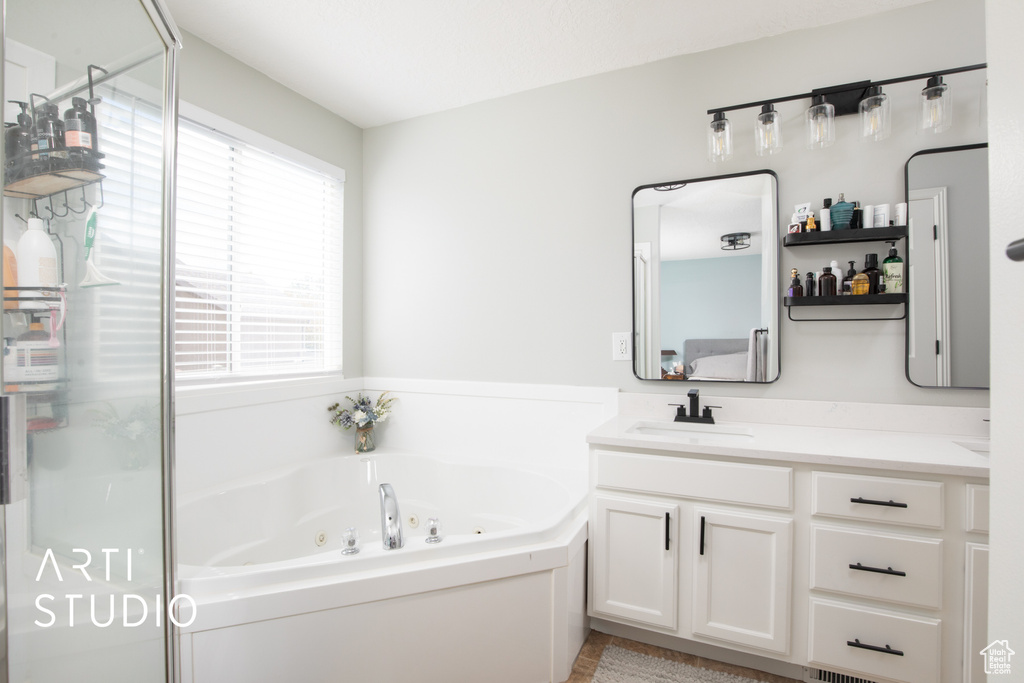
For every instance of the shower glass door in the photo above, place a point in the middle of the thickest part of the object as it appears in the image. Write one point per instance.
(84, 382)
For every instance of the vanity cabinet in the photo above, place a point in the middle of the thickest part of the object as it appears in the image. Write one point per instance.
(741, 578)
(846, 571)
(633, 556)
(681, 545)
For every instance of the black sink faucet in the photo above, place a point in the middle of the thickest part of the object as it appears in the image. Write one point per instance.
(696, 415)
(694, 396)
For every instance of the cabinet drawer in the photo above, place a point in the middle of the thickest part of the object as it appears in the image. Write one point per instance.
(841, 635)
(897, 569)
(730, 482)
(909, 502)
(977, 508)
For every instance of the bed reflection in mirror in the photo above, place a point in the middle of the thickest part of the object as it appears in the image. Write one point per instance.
(705, 279)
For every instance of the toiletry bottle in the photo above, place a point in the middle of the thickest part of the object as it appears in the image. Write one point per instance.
(811, 225)
(872, 271)
(861, 284)
(10, 278)
(48, 137)
(867, 215)
(824, 217)
(892, 271)
(18, 139)
(841, 213)
(817, 280)
(848, 280)
(795, 288)
(838, 272)
(37, 360)
(827, 282)
(37, 261)
(79, 132)
(809, 284)
(857, 218)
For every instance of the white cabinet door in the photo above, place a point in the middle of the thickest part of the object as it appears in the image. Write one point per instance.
(742, 568)
(976, 613)
(633, 556)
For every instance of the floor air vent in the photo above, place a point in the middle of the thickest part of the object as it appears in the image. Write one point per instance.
(816, 675)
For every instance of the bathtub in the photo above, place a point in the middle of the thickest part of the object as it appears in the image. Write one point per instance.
(504, 589)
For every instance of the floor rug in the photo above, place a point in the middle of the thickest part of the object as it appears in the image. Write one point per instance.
(618, 665)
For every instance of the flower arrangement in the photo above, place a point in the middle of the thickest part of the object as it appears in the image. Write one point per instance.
(362, 415)
(363, 412)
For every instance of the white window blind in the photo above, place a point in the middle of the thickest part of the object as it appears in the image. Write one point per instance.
(259, 261)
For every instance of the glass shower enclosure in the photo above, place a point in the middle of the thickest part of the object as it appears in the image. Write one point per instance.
(87, 442)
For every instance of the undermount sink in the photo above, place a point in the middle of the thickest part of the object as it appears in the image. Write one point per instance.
(682, 431)
(979, 447)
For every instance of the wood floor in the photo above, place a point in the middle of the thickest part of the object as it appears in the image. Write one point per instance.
(586, 663)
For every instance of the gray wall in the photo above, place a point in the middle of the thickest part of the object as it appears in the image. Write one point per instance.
(218, 83)
(696, 306)
(505, 226)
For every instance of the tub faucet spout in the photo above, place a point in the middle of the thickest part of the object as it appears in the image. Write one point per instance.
(390, 518)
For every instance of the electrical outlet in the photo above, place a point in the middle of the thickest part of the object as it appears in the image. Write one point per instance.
(621, 348)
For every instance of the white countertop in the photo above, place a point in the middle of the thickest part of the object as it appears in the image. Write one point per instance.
(880, 450)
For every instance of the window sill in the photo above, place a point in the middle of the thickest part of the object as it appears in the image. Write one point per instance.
(202, 398)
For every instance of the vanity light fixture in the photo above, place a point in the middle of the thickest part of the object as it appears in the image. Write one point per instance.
(735, 241)
(863, 97)
(936, 106)
(820, 123)
(719, 138)
(875, 116)
(768, 131)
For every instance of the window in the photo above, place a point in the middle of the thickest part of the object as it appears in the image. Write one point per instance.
(259, 261)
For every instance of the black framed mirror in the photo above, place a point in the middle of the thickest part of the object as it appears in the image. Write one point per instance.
(705, 279)
(948, 267)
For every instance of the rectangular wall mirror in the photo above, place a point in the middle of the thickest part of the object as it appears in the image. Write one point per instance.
(705, 279)
(948, 272)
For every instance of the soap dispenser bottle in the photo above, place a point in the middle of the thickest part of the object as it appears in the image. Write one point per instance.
(18, 139)
(892, 271)
(48, 137)
(848, 280)
(795, 288)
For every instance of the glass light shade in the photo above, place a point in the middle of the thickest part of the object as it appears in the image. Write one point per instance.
(719, 138)
(768, 132)
(875, 118)
(821, 124)
(936, 106)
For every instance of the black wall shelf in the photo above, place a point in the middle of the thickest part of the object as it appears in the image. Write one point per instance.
(846, 300)
(791, 302)
(801, 239)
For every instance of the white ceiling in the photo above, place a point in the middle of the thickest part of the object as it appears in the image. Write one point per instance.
(378, 61)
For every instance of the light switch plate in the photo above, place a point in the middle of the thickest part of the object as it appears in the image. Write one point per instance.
(621, 348)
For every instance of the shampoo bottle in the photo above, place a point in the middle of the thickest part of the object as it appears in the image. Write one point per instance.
(37, 261)
(892, 271)
(824, 216)
(872, 271)
(827, 283)
(79, 132)
(10, 278)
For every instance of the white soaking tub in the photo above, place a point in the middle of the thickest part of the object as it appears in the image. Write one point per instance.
(503, 590)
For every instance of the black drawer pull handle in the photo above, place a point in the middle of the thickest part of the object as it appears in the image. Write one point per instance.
(886, 503)
(877, 570)
(874, 648)
(702, 534)
(666, 530)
